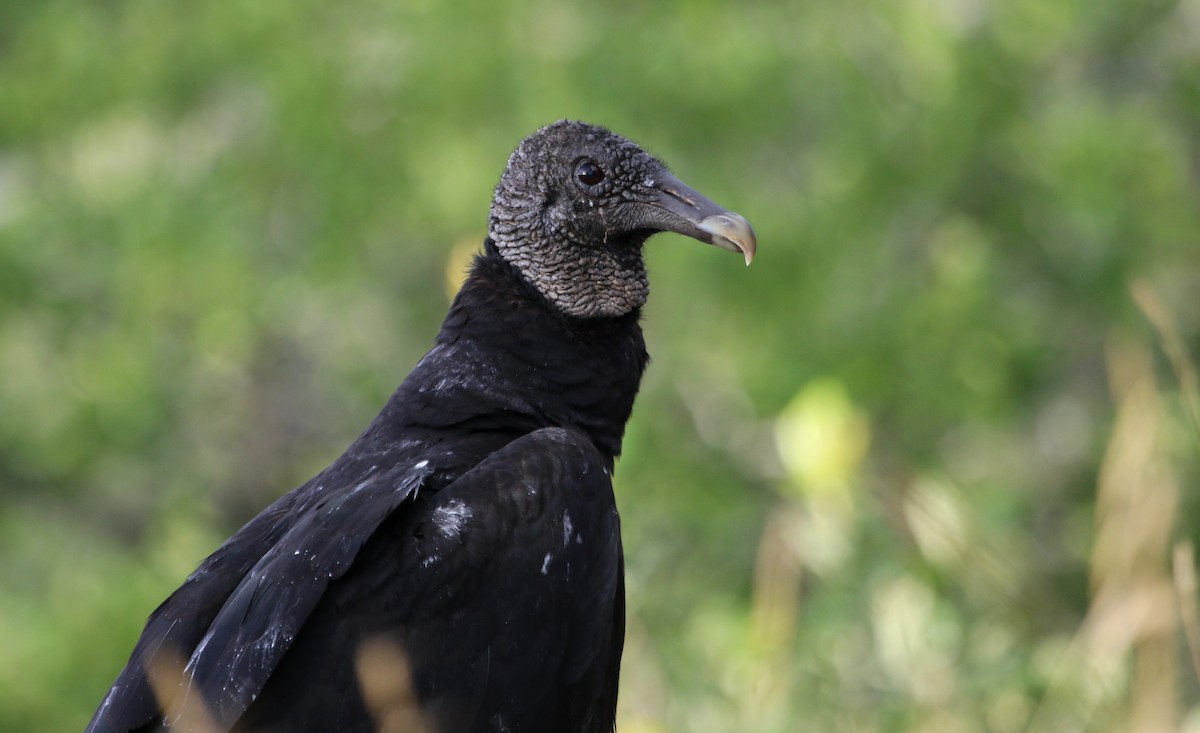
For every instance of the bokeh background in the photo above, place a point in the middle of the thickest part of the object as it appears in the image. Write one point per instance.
(931, 464)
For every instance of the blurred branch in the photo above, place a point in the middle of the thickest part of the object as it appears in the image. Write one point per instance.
(1132, 610)
(1160, 317)
(1184, 567)
(1132, 615)
(385, 679)
(172, 687)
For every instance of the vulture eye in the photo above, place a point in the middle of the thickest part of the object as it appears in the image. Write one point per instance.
(588, 172)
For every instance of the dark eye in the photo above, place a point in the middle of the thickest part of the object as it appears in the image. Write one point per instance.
(588, 172)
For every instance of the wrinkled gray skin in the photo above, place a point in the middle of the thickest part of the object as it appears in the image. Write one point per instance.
(580, 244)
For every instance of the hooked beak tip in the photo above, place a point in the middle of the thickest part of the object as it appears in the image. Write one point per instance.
(731, 231)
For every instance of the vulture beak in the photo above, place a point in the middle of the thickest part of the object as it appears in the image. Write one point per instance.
(677, 207)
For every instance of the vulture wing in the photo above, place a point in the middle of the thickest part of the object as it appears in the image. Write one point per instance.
(500, 595)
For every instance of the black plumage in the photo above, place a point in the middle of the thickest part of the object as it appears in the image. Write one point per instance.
(468, 538)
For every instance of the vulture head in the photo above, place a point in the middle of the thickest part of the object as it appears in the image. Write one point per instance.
(574, 207)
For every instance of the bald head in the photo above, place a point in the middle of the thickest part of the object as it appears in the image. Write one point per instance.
(574, 207)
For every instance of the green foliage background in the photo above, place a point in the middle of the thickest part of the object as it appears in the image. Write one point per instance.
(921, 468)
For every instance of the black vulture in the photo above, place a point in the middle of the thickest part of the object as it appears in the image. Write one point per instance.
(459, 567)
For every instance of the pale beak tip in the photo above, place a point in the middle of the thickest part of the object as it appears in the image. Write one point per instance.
(732, 232)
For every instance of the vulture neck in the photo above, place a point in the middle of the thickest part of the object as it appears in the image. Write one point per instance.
(508, 362)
